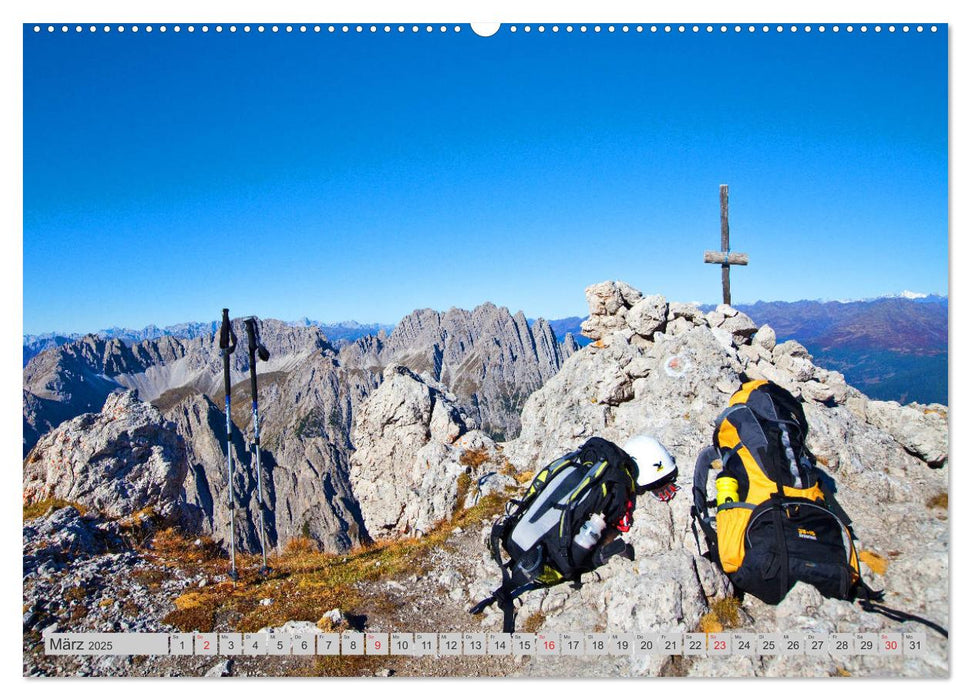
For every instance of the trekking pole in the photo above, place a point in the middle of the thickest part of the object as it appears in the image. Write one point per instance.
(227, 344)
(256, 348)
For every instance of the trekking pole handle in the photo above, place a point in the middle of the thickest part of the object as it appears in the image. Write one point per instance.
(227, 336)
(256, 346)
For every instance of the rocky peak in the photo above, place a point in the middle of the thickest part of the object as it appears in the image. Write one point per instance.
(489, 358)
(668, 369)
(121, 460)
(409, 438)
(78, 376)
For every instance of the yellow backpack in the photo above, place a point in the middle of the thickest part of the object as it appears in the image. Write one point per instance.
(776, 521)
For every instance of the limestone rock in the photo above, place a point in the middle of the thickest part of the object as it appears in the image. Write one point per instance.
(678, 326)
(818, 391)
(64, 532)
(689, 312)
(121, 460)
(740, 326)
(764, 337)
(921, 430)
(790, 348)
(608, 303)
(648, 315)
(409, 454)
(715, 318)
(221, 670)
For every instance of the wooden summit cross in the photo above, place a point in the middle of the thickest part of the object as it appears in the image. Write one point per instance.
(725, 258)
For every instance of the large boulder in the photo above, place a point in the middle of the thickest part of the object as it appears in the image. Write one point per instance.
(922, 430)
(124, 459)
(409, 468)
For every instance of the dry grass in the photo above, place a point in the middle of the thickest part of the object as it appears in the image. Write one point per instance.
(462, 486)
(78, 613)
(534, 622)
(304, 583)
(507, 469)
(151, 578)
(524, 477)
(710, 624)
(342, 666)
(39, 508)
(876, 563)
(724, 614)
(77, 593)
(474, 458)
(172, 548)
(938, 501)
(139, 518)
(299, 546)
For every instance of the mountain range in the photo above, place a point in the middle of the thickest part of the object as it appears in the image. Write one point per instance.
(311, 389)
(893, 347)
(336, 333)
(381, 441)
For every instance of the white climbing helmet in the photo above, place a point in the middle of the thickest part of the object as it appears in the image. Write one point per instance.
(656, 468)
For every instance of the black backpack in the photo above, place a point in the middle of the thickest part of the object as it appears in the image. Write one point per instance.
(538, 531)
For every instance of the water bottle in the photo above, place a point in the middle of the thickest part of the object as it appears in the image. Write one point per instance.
(590, 532)
(726, 489)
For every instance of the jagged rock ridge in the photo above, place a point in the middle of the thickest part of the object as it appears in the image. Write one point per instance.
(489, 358)
(309, 396)
(77, 377)
(411, 441)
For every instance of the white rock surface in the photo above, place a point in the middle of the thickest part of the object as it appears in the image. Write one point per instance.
(121, 460)
(410, 439)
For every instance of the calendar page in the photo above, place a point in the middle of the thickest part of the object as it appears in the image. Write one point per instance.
(439, 348)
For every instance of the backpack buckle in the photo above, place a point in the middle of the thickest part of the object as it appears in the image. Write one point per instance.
(531, 563)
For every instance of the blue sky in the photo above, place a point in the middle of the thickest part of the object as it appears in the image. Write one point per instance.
(362, 176)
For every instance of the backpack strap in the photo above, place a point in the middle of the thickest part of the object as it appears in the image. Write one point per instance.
(699, 510)
(870, 599)
(505, 596)
(780, 541)
(616, 547)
